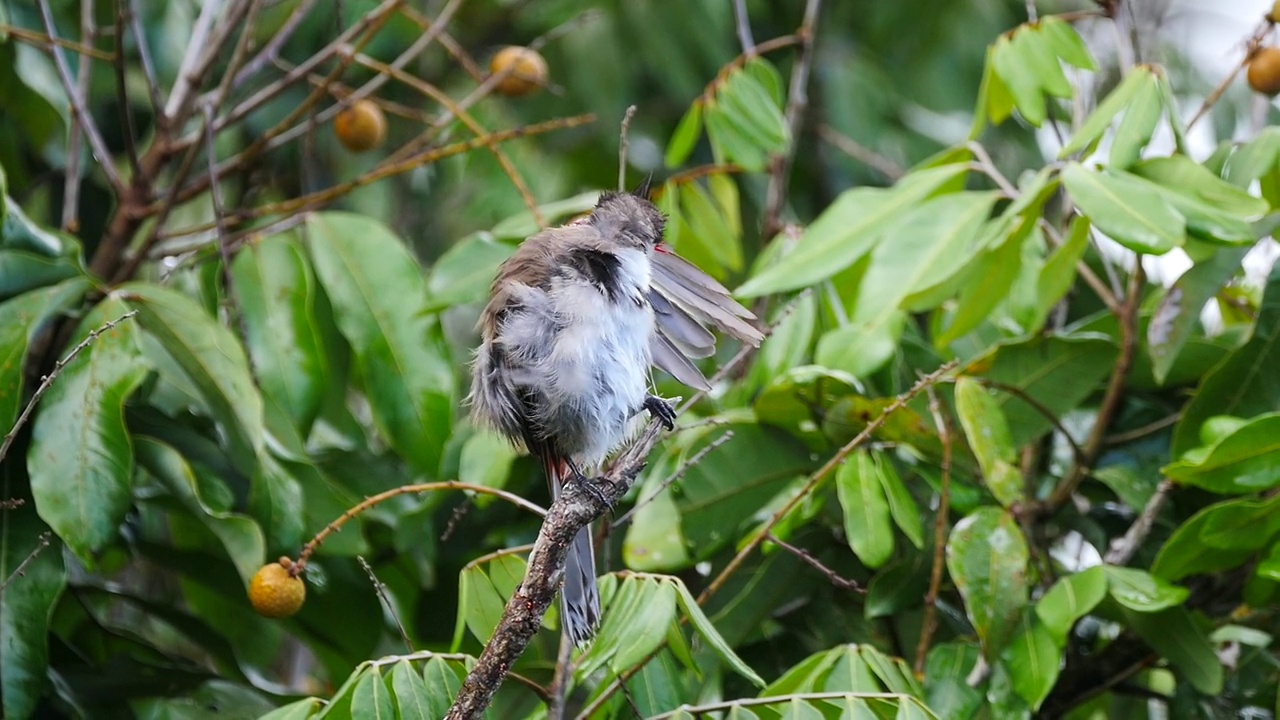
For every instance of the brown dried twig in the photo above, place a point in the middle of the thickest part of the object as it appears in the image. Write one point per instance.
(381, 589)
(797, 103)
(927, 626)
(836, 579)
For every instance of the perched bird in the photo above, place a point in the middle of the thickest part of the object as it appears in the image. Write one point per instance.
(575, 319)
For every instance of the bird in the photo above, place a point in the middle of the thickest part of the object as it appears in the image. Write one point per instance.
(576, 317)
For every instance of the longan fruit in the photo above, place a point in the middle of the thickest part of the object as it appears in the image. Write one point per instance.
(528, 71)
(361, 126)
(275, 592)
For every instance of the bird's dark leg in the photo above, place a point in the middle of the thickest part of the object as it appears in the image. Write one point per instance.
(586, 483)
(662, 410)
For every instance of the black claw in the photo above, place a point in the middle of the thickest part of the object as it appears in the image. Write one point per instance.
(662, 410)
(588, 486)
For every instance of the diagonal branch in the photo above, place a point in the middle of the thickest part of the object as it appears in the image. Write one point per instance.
(578, 505)
(797, 103)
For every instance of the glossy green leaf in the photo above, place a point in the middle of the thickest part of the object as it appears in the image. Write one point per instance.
(1186, 552)
(730, 143)
(1066, 42)
(486, 460)
(707, 631)
(945, 670)
(1032, 659)
(635, 623)
(685, 136)
(464, 273)
(1058, 274)
(1183, 175)
(1254, 159)
(32, 257)
(753, 108)
(211, 358)
(868, 525)
(995, 102)
(1015, 67)
(925, 239)
(988, 433)
(380, 299)
(297, 710)
(370, 698)
(20, 318)
(1127, 208)
(906, 514)
(987, 558)
(1097, 123)
(1178, 313)
(275, 292)
(998, 269)
(1071, 598)
(1244, 461)
(850, 673)
(442, 685)
(81, 459)
(240, 535)
(26, 605)
(711, 227)
(848, 229)
(654, 540)
(1245, 383)
(1138, 124)
(1141, 591)
(1175, 635)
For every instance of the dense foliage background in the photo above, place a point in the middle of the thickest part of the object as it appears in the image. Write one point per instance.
(1074, 513)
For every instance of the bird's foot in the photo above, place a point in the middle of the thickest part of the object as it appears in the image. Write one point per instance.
(661, 410)
(588, 485)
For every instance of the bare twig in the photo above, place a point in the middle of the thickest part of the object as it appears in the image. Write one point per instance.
(1123, 548)
(71, 183)
(1040, 409)
(1110, 404)
(930, 622)
(622, 147)
(578, 505)
(743, 25)
(863, 154)
(215, 196)
(381, 590)
(78, 108)
(1140, 432)
(47, 381)
(988, 168)
(559, 689)
(835, 578)
(797, 103)
(44, 41)
(1252, 45)
(189, 71)
(12, 503)
(821, 473)
(122, 92)
(674, 476)
(42, 542)
(148, 68)
(301, 563)
(271, 50)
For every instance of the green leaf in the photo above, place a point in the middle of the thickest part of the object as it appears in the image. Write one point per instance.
(1066, 42)
(463, 274)
(240, 535)
(1137, 126)
(710, 635)
(483, 591)
(1245, 384)
(297, 710)
(1186, 552)
(710, 227)
(1215, 210)
(867, 521)
(988, 433)
(635, 624)
(987, 558)
(1097, 123)
(1127, 208)
(992, 277)
(1059, 272)
(906, 514)
(211, 358)
(925, 239)
(995, 102)
(729, 142)
(1141, 591)
(1071, 598)
(1015, 67)
(1244, 461)
(849, 228)
(1178, 313)
(380, 302)
(81, 461)
(486, 460)
(945, 670)
(442, 685)
(275, 292)
(370, 698)
(685, 136)
(753, 108)
(26, 605)
(522, 224)
(20, 319)
(1179, 638)
(1032, 659)
(654, 540)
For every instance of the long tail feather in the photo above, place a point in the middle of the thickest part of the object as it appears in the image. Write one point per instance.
(579, 596)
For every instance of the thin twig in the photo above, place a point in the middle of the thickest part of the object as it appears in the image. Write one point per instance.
(863, 154)
(1128, 321)
(988, 168)
(673, 477)
(42, 542)
(301, 563)
(1123, 548)
(148, 67)
(455, 50)
(385, 599)
(797, 103)
(622, 147)
(743, 24)
(215, 196)
(47, 381)
(835, 578)
(78, 108)
(559, 689)
(1040, 408)
(47, 43)
(929, 624)
(71, 183)
(269, 52)
(388, 660)
(1140, 432)
(1252, 45)
(821, 473)
(122, 91)
(12, 503)
(188, 70)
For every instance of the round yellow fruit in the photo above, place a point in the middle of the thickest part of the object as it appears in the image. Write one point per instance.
(526, 71)
(361, 126)
(275, 592)
(1264, 71)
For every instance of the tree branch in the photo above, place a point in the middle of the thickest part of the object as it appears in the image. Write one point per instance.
(797, 103)
(943, 423)
(578, 505)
